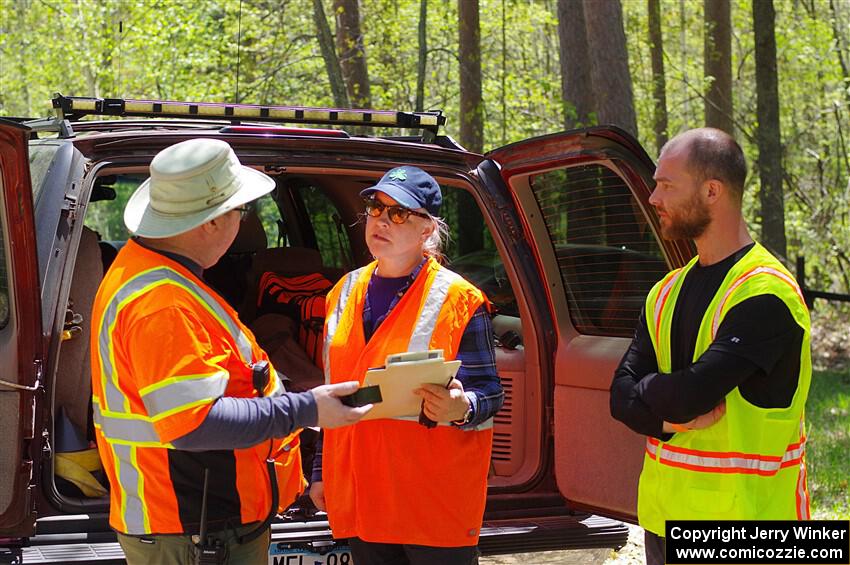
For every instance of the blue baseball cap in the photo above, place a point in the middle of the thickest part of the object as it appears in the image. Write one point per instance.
(411, 187)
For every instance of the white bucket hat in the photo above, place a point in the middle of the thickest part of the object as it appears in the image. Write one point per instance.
(192, 182)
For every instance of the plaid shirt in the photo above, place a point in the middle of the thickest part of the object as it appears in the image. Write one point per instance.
(477, 372)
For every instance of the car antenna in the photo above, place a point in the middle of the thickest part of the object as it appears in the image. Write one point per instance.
(238, 46)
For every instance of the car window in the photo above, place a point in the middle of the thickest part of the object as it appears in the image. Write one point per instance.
(470, 250)
(269, 215)
(105, 214)
(331, 235)
(41, 156)
(607, 253)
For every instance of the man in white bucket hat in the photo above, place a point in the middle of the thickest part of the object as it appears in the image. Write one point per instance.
(188, 411)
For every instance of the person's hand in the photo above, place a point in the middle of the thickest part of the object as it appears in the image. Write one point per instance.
(332, 412)
(317, 495)
(698, 423)
(707, 419)
(443, 404)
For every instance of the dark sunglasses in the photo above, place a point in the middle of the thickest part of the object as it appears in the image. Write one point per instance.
(244, 211)
(397, 214)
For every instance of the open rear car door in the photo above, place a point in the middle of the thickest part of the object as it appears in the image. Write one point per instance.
(21, 347)
(583, 197)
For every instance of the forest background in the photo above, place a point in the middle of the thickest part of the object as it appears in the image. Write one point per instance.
(774, 74)
(501, 70)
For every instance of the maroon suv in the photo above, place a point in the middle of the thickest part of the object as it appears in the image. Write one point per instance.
(556, 230)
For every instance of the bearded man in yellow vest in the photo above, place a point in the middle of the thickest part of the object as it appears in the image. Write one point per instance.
(718, 371)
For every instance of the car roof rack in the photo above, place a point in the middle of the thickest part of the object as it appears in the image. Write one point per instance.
(73, 108)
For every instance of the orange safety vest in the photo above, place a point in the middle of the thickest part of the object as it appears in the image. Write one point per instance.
(393, 480)
(147, 391)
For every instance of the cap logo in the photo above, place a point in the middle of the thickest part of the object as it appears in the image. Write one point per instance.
(399, 175)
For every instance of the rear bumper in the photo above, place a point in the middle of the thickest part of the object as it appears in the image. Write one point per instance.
(557, 532)
(83, 539)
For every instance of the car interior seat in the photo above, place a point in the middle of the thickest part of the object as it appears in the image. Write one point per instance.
(230, 276)
(73, 377)
(284, 305)
(292, 261)
(77, 463)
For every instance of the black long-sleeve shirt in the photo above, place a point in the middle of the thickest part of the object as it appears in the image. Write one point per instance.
(757, 349)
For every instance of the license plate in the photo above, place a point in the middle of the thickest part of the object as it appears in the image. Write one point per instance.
(339, 555)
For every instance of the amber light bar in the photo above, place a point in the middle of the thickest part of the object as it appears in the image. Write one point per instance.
(74, 108)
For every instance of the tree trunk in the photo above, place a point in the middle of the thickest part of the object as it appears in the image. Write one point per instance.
(717, 65)
(612, 92)
(838, 31)
(469, 48)
(768, 134)
(352, 52)
(659, 89)
(326, 43)
(423, 55)
(470, 234)
(609, 64)
(684, 57)
(575, 64)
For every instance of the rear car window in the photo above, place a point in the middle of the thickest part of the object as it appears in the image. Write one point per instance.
(471, 252)
(607, 252)
(41, 157)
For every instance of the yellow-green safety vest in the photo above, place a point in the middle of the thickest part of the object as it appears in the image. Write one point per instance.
(750, 463)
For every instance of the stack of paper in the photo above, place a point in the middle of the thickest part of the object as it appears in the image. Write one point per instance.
(404, 373)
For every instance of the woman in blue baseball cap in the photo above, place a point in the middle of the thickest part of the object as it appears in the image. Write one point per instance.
(407, 490)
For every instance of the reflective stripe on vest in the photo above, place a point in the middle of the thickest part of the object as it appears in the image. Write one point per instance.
(420, 338)
(715, 322)
(802, 494)
(725, 462)
(661, 301)
(334, 316)
(132, 501)
(174, 394)
(424, 329)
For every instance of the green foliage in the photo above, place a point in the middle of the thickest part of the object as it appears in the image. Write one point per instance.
(175, 49)
(813, 106)
(106, 216)
(828, 421)
(199, 50)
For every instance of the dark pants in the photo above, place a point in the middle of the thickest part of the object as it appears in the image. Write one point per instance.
(368, 553)
(654, 546)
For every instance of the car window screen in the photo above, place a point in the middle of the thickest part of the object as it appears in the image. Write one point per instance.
(607, 253)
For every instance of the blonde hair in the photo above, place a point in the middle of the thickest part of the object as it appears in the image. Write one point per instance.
(433, 246)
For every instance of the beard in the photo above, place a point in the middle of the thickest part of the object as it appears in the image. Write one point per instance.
(688, 222)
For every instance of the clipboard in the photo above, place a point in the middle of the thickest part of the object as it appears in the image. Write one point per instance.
(401, 375)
